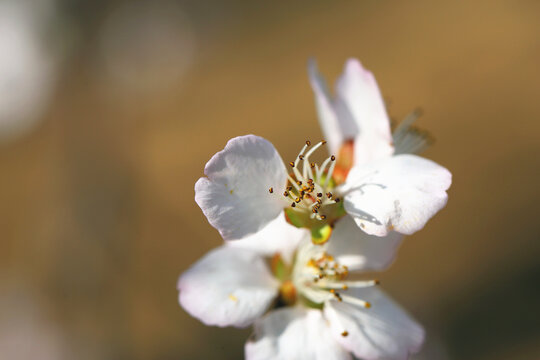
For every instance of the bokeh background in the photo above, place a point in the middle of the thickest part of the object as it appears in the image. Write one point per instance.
(110, 109)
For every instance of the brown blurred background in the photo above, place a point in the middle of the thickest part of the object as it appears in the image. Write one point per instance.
(97, 211)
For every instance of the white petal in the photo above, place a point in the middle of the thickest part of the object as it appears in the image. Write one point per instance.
(400, 193)
(294, 334)
(227, 287)
(235, 195)
(384, 331)
(277, 237)
(362, 113)
(325, 110)
(359, 251)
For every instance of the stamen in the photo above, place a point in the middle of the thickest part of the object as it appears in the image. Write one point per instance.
(313, 149)
(271, 190)
(355, 301)
(330, 172)
(320, 171)
(349, 284)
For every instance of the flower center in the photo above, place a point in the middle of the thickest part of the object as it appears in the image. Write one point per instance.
(311, 203)
(319, 277)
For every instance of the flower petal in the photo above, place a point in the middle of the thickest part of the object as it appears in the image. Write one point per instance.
(235, 195)
(362, 113)
(400, 193)
(227, 287)
(325, 110)
(294, 333)
(359, 251)
(277, 237)
(384, 331)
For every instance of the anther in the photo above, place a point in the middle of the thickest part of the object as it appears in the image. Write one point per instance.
(293, 204)
(333, 158)
(345, 333)
(329, 195)
(297, 200)
(337, 200)
(324, 142)
(291, 163)
(319, 195)
(286, 193)
(298, 183)
(308, 143)
(377, 282)
(289, 188)
(312, 165)
(323, 217)
(367, 305)
(301, 157)
(345, 287)
(271, 190)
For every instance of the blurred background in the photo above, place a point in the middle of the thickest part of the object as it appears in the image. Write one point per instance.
(110, 109)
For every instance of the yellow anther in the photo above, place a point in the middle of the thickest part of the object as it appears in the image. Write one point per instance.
(271, 190)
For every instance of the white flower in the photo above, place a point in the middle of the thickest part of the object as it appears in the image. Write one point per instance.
(308, 308)
(247, 184)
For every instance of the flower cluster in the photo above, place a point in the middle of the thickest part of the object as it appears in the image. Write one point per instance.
(298, 234)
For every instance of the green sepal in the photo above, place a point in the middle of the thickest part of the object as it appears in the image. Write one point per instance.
(280, 270)
(293, 218)
(320, 235)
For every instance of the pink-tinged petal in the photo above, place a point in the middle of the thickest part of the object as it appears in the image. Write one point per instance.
(325, 110)
(359, 251)
(228, 287)
(294, 333)
(383, 331)
(235, 194)
(277, 237)
(400, 193)
(362, 113)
